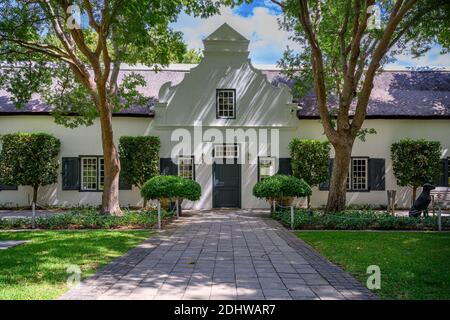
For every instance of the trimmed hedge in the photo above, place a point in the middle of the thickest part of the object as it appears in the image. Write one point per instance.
(356, 220)
(280, 186)
(86, 219)
(139, 158)
(171, 187)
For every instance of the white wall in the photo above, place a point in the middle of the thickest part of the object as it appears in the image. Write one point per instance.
(378, 146)
(74, 142)
(86, 141)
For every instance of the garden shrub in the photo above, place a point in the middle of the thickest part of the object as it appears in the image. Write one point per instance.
(416, 162)
(29, 159)
(171, 187)
(310, 160)
(139, 159)
(279, 187)
(86, 219)
(356, 220)
(189, 189)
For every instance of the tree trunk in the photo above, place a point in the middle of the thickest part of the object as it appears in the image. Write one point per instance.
(35, 194)
(110, 196)
(338, 185)
(308, 202)
(144, 206)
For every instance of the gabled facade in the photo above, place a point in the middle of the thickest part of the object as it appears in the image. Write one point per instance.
(227, 124)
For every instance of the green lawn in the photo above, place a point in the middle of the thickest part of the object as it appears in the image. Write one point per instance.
(414, 265)
(37, 270)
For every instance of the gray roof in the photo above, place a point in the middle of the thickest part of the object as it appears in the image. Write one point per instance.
(396, 94)
(400, 94)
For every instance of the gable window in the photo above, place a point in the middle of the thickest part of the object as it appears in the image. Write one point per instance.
(266, 167)
(358, 175)
(226, 104)
(186, 167)
(226, 151)
(92, 173)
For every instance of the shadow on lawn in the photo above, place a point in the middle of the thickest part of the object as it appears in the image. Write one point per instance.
(44, 260)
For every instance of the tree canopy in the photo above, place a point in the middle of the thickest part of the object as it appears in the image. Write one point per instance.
(71, 52)
(345, 43)
(59, 46)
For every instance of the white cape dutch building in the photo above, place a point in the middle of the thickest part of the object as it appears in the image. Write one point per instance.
(227, 124)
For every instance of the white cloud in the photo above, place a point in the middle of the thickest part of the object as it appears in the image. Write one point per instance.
(432, 58)
(267, 41)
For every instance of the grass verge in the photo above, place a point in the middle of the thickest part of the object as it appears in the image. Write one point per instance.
(414, 265)
(37, 269)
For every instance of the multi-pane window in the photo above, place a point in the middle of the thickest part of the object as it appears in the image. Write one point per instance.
(226, 104)
(358, 177)
(266, 167)
(186, 167)
(101, 173)
(89, 173)
(92, 173)
(227, 151)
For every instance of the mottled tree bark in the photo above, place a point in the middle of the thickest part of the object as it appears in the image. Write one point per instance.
(110, 196)
(338, 184)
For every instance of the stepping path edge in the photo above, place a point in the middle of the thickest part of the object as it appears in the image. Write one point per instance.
(226, 255)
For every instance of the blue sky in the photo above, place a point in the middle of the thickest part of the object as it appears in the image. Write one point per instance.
(258, 22)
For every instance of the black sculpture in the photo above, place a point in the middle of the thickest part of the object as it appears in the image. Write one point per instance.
(422, 202)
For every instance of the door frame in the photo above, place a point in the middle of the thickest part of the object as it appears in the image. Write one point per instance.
(239, 186)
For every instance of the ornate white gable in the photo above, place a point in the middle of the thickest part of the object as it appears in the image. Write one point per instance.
(225, 66)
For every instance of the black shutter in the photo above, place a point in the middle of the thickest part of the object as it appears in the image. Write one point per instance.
(325, 186)
(284, 166)
(193, 168)
(377, 174)
(167, 167)
(123, 184)
(5, 187)
(70, 173)
(257, 172)
(442, 181)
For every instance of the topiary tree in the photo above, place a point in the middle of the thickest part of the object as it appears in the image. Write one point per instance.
(279, 187)
(310, 161)
(29, 159)
(172, 188)
(416, 162)
(139, 157)
(189, 190)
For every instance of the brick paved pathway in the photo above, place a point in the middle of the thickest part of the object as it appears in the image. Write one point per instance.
(222, 255)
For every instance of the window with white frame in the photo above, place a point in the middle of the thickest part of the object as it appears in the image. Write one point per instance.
(266, 167)
(92, 173)
(101, 173)
(226, 104)
(227, 151)
(358, 175)
(89, 173)
(186, 167)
